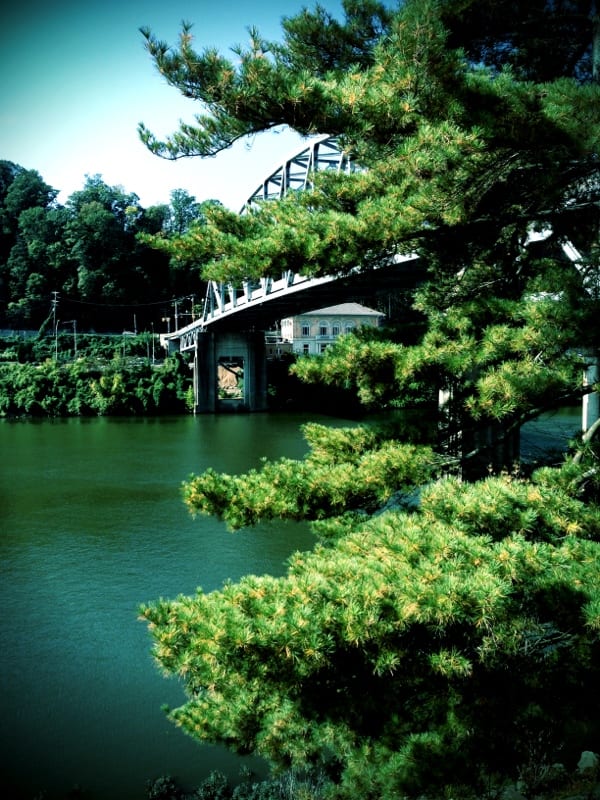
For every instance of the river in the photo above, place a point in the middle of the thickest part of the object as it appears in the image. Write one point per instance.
(92, 526)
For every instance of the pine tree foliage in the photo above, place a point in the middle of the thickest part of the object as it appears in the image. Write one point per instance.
(414, 649)
(441, 631)
(538, 40)
(351, 469)
(462, 163)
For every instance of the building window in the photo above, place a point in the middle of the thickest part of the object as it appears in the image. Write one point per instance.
(305, 330)
(322, 329)
(305, 349)
(323, 348)
(335, 330)
(349, 327)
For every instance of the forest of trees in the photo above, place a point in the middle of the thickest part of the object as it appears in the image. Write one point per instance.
(89, 256)
(443, 636)
(70, 273)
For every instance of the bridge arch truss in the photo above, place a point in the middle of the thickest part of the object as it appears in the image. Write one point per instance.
(297, 172)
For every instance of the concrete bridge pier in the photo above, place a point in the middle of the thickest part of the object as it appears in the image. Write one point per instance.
(230, 372)
(590, 409)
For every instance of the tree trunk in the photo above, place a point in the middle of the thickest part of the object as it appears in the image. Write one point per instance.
(475, 450)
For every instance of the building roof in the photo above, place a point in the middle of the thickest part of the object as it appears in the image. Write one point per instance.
(343, 309)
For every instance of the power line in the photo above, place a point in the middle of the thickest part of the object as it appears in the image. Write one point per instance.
(168, 301)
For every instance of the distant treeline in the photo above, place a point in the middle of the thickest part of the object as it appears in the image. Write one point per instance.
(85, 262)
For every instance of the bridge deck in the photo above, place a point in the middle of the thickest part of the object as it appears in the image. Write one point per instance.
(261, 307)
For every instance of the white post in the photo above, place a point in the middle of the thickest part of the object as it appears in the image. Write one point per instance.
(590, 406)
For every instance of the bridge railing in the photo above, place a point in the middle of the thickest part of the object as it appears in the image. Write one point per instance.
(224, 298)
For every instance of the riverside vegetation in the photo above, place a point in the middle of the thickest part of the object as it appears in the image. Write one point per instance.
(116, 375)
(109, 376)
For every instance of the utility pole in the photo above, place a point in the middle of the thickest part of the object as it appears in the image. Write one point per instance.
(176, 315)
(55, 323)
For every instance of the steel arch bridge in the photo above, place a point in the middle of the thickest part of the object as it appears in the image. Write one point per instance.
(228, 307)
(234, 318)
(235, 308)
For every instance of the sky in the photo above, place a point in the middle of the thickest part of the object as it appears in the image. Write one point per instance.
(76, 79)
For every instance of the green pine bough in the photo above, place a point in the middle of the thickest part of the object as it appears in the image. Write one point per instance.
(419, 649)
(443, 635)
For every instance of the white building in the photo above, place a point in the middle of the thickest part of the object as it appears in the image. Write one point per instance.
(311, 333)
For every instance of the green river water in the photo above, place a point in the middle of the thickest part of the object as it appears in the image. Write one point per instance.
(92, 524)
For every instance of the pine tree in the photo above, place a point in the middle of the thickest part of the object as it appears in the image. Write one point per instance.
(442, 632)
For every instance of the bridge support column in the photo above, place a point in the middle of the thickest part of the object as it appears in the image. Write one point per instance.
(230, 372)
(590, 408)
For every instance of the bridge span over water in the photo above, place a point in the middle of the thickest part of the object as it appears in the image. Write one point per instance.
(234, 318)
(259, 305)
(256, 305)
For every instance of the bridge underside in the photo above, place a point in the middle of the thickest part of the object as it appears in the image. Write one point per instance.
(264, 310)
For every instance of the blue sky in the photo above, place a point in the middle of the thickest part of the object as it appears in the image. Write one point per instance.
(75, 80)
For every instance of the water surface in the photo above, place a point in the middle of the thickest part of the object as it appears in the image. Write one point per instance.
(93, 525)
